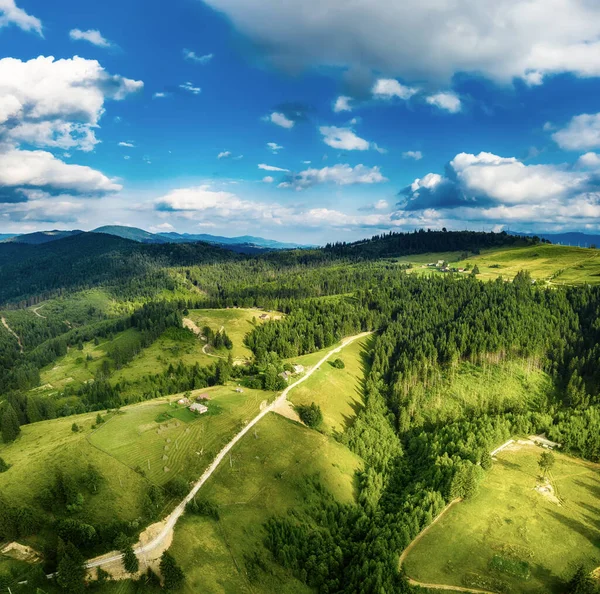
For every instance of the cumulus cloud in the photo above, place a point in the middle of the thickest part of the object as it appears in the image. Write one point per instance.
(11, 14)
(56, 103)
(488, 187)
(388, 88)
(42, 170)
(447, 101)
(191, 56)
(343, 139)
(416, 155)
(268, 179)
(581, 133)
(271, 168)
(127, 144)
(280, 119)
(92, 36)
(274, 147)
(589, 161)
(341, 175)
(208, 206)
(159, 95)
(342, 103)
(427, 40)
(190, 88)
(40, 207)
(162, 228)
(224, 155)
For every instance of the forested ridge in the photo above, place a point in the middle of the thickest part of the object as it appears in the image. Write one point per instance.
(424, 328)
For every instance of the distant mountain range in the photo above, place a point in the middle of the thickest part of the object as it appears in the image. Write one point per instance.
(573, 238)
(245, 244)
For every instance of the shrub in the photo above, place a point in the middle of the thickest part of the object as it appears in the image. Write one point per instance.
(310, 415)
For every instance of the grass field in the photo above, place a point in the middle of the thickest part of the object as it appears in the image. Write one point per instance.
(507, 385)
(45, 447)
(237, 323)
(157, 434)
(554, 264)
(509, 524)
(337, 391)
(266, 477)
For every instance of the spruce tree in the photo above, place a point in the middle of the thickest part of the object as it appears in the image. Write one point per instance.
(10, 424)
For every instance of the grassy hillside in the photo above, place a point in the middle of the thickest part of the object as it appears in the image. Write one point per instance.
(159, 434)
(554, 264)
(46, 447)
(512, 524)
(337, 391)
(236, 322)
(267, 476)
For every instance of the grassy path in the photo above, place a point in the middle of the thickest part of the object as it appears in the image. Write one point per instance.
(157, 538)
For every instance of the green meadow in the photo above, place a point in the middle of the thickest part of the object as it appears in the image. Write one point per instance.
(552, 264)
(162, 439)
(337, 391)
(510, 537)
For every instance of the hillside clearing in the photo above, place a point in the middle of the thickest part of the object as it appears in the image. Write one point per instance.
(510, 537)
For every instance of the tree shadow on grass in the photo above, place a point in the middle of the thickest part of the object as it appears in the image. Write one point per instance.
(359, 392)
(593, 536)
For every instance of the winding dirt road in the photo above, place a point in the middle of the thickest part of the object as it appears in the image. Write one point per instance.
(5, 324)
(161, 541)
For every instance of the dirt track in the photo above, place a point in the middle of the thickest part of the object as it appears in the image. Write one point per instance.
(157, 538)
(5, 323)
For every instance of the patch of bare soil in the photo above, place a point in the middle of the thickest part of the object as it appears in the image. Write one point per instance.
(20, 552)
(287, 410)
(190, 325)
(547, 490)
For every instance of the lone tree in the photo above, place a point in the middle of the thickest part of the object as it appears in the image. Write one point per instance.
(4, 466)
(475, 270)
(172, 574)
(10, 425)
(310, 415)
(70, 574)
(581, 583)
(546, 462)
(130, 561)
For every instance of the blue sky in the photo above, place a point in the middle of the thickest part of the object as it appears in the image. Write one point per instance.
(308, 122)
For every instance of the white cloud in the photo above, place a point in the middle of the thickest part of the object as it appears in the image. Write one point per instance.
(379, 149)
(41, 207)
(160, 95)
(429, 40)
(341, 175)
(343, 139)
(162, 228)
(581, 133)
(503, 190)
(589, 161)
(268, 179)
(40, 169)
(126, 157)
(56, 103)
(342, 103)
(447, 101)
(280, 119)
(271, 168)
(274, 147)
(224, 155)
(193, 57)
(387, 88)
(208, 207)
(127, 144)
(10, 14)
(93, 36)
(189, 86)
(416, 155)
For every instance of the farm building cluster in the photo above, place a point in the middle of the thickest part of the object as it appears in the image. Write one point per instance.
(195, 407)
